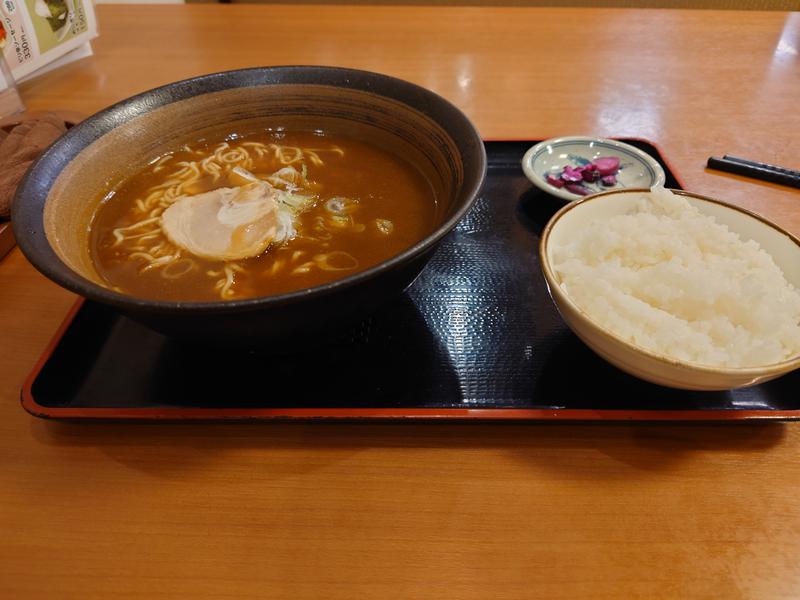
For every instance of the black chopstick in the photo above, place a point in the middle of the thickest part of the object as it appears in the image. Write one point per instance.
(756, 170)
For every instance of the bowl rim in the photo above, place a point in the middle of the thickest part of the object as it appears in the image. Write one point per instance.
(553, 282)
(538, 181)
(418, 98)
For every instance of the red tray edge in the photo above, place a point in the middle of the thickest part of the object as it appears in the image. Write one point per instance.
(494, 414)
(418, 414)
(7, 241)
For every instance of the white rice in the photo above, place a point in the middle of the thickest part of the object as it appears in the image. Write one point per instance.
(674, 281)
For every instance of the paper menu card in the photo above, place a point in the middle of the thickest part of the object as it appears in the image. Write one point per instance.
(34, 33)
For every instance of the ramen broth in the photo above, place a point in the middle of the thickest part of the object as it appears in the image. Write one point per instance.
(341, 206)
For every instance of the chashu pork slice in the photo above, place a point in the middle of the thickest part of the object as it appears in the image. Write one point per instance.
(224, 224)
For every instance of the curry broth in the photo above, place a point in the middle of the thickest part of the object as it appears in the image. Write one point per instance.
(385, 188)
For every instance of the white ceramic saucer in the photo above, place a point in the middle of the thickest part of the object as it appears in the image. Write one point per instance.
(637, 169)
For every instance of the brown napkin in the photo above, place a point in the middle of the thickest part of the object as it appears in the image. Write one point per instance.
(20, 147)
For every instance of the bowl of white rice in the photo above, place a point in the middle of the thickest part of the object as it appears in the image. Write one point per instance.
(676, 288)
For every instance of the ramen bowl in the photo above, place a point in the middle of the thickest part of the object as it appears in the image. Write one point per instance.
(56, 201)
(657, 366)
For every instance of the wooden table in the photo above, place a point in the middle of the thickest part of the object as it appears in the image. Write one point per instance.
(427, 510)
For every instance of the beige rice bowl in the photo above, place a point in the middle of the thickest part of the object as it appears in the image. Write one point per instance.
(690, 284)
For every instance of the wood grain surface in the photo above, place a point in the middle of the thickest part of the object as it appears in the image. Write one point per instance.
(424, 510)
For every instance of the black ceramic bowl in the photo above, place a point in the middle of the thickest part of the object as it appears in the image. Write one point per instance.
(56, 200)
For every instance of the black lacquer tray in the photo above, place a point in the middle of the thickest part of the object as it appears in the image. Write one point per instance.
(476, 336)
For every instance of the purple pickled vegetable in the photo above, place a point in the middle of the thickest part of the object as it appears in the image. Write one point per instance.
(554, 180)
(572, 175)
(608, 180)
(590, 174)
(577, 188)
(607, 165)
